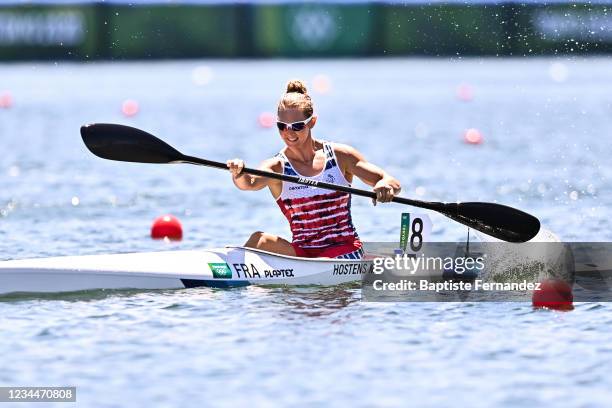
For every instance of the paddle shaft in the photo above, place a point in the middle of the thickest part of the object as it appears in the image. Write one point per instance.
(307, 182)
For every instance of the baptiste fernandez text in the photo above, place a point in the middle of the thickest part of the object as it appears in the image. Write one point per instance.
(479, 285)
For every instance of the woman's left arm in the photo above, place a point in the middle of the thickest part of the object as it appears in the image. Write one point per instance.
(353, 162)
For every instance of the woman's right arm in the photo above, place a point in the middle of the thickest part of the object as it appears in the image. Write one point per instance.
(247, 181)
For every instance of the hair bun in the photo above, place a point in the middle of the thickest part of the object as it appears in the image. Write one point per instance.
(295, 85)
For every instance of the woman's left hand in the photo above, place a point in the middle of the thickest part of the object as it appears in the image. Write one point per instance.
(384, 192)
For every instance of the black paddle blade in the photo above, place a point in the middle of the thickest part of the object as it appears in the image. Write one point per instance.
(125, 143)
(499, 221)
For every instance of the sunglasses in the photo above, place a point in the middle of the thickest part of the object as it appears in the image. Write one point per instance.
(295, 126)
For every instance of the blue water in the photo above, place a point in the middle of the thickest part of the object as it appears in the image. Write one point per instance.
(546, 149)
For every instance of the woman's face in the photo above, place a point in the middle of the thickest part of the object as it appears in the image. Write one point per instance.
(294, 117)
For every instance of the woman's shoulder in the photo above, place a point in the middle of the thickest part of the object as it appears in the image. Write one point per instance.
(343, 150)
(274, 163)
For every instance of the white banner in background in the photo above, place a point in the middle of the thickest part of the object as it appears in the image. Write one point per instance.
(578, 25)
(65, 28)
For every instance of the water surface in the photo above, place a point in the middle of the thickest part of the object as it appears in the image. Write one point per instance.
(546, 150)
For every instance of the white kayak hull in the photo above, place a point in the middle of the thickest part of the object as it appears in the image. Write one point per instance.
(220, 267)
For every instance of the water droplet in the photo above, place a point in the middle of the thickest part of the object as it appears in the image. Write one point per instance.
(558, 72)
(202, 75)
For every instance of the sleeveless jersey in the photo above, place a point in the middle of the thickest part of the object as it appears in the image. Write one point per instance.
(318, 218)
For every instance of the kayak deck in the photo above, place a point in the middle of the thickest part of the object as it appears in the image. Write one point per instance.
(217, 267)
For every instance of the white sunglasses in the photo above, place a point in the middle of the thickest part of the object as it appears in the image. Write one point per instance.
(295, 126)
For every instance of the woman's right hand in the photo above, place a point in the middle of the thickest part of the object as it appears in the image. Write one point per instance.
(235, 166)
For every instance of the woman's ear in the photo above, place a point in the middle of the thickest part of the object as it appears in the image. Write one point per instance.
(313, 121)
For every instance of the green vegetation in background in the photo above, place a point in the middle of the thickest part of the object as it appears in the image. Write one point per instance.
(172, 32)
(443, 30)
(312, 29)
(36, 32)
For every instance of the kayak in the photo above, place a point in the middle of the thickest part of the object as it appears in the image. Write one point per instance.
(217, 267)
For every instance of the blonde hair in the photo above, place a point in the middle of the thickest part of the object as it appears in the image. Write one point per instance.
(296, 97)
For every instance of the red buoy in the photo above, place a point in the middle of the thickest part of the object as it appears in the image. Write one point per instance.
(553, 294)
(473, 136)
(167, 226)
(266, 120)
(6, 100)
(130, 107)
(465, 92)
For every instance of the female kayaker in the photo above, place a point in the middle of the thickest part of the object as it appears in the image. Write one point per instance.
(320, 220)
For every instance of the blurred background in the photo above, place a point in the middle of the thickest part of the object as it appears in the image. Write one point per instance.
(462, 101)
(115, 29)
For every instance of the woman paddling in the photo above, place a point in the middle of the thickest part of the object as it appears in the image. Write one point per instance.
(320, 220)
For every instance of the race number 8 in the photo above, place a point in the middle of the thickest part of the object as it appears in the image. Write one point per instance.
(416, 236)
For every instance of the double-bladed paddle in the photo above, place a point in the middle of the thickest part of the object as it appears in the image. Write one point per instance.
(125, 143)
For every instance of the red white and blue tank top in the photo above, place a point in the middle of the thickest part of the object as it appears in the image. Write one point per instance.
(318, 218)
